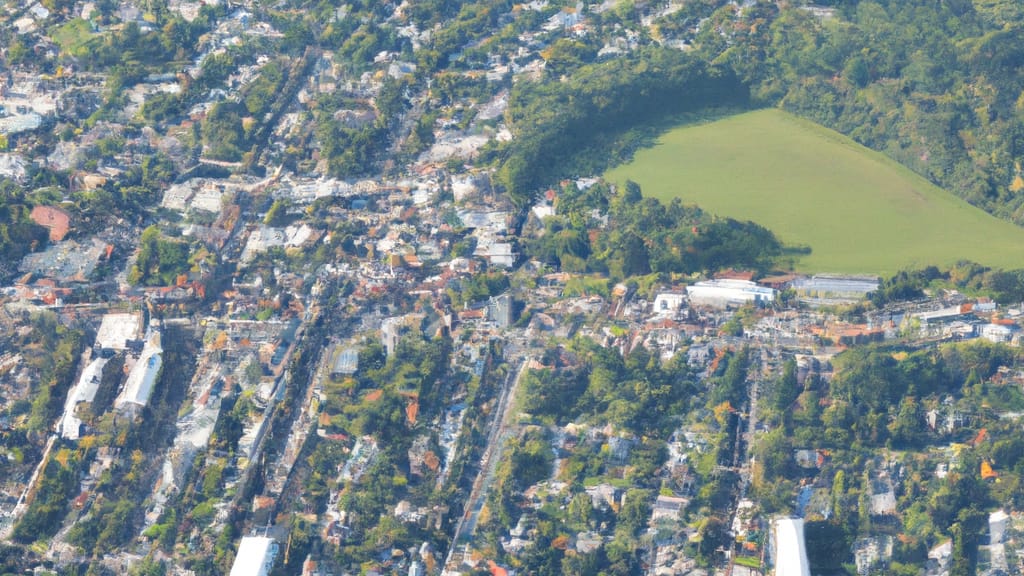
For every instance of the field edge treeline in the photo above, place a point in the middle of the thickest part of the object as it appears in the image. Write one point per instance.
(602, 113)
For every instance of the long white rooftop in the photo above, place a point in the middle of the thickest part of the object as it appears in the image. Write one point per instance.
(83, 391)
(790, 552)
(255, 556)
(729, 291)
(142, 378)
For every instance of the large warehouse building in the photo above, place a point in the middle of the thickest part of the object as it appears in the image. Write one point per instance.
(255, 556)
(143, 376)
(790, 554)
(727, 292)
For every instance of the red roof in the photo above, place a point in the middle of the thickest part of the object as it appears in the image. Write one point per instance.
(731, 274)
(411, 410)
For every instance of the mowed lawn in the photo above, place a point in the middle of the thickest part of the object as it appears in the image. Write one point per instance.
(859, 211)
(72, 36)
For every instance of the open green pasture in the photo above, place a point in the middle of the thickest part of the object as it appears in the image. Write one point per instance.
(859, 211)
(72, 36)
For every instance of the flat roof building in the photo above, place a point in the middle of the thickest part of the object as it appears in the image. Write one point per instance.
(116, 330)
(669, 302)
(20, 123)
(790, 553)
(499, 310)
(723, 293)
(142, 378)
(255, 556)
(346, 362)
(836, 286)
(66, 261)
(84, 391)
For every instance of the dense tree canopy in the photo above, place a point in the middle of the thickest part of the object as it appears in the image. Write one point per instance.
(19, 235)
(566, 128)
(935, 85)
(643, 235)
(160, 260)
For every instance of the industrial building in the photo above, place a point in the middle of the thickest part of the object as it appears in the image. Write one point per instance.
(722, 293)
(255, 556)
(84, 391)
(830, 286)
(669, 302)
(117, 329)
(142, 378)
(346, 362)
(790, 554)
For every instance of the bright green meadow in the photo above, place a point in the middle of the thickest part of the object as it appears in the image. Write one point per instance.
(859, 211)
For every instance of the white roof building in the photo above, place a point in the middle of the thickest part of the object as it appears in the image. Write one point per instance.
(501, 254)
(20, 123)
(84, 391)
(832, 285)
(497, 253)
(177, 197)
(997, 524)
(209, 198)
(463, 187)
(495, 222)
(142, 378)
(668, 302)
(790, 553)
(542, 211)
(40, 12)
(255, 556)
(13, 166)
(996, 332)
(265, 237)
(346, 361)
(728, 292)
(116, 329)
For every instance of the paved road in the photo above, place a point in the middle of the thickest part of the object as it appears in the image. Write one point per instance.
(491, 457)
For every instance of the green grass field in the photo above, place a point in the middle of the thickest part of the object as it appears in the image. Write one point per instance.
(72, 36)
(858, 210)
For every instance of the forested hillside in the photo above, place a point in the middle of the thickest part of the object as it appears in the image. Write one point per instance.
(571, 126)
(938, 86)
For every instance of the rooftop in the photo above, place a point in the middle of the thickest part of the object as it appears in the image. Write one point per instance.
(790, 554)
(116, 329)
(255, 556)
(142, 378)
